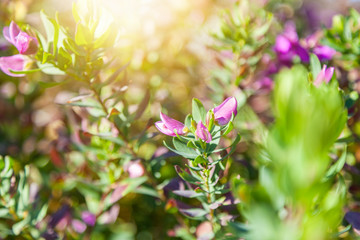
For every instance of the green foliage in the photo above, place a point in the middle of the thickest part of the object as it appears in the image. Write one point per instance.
(19, 212)
(293, 201)
(344, 37)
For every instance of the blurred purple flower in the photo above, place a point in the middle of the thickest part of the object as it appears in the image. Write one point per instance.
(15, 63)
(224, 111)
(324, 53)
(325, 75)
(287, 46)
(88, 218)
(202, 132)
(78, 226)
(168, 126)
(24, 43)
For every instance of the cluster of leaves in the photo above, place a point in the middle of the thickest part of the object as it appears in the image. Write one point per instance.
(343, 36)
(244, 35)
(21, 211)
(296, 197)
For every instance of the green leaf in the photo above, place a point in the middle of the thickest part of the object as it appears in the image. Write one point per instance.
(195, 213)
(198, 110)
(199, 160)
(315, 65)
(50, 69)
(83, 35)
(49, 84)
(336, 168)
(182, 149)
(147, 191)
(188, 121)
(186, 176)
(40, 214)
(233, 147)
(25, 71)
(64, 59)
(229, 127)
(4, 212)
(19, 226)
(49, 28)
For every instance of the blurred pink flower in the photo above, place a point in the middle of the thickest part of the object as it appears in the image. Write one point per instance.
(324, 53)
(203, 133)
(287, 46)
(135, 169)
(167, 126)
(24, 43)
(78, 226)
(324, 75)
(88, 218)
(15, 63)
(224, 111)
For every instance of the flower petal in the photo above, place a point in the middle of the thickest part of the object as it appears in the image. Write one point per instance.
(78, 226)
(14, 30)
(324, 53)
(6, 34)
(172, 124)
(88, 218)
(282, 44)
(162, 128)
(329, 73)
(16, 63)
(224, 111)
(324, 75)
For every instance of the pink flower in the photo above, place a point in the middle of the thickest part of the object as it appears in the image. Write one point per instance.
(89, 218)
(203, 133)
(324, 53)
(224, 111)
(15, 63)
(167, 126)
(24, 43)
(135, 169)
(324, 75)
(78, 226)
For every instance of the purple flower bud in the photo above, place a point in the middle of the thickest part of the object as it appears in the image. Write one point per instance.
(167, 126)
(88, 218)
(78, 226)
(203, 133)
(224, 111)
(15, 63)
(324, 53)
(24, 43)
(324, 75)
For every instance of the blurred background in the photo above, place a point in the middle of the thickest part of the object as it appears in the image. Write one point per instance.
(173, 51)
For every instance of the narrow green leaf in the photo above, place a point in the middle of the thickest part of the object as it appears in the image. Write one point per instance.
(184, 150)
(315, 65)
(198, 110)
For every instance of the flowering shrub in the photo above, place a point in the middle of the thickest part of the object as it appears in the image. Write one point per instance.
(93, 143)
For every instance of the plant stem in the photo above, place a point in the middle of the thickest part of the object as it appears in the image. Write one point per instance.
(210, 196)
